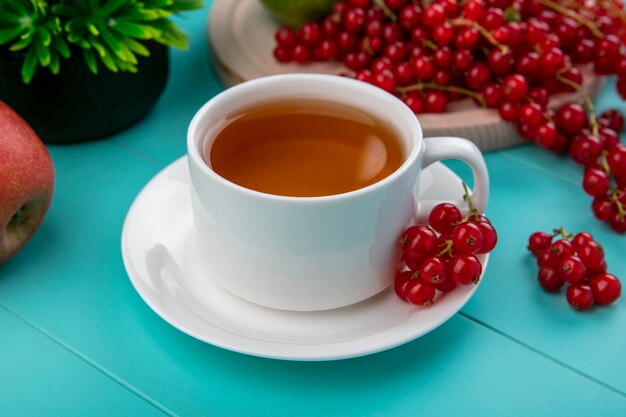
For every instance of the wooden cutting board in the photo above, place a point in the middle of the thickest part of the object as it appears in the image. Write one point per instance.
(241, 40)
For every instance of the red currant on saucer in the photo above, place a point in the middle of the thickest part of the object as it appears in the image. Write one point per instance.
(420, 293)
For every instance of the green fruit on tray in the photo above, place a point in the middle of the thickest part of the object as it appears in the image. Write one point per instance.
(296, 12)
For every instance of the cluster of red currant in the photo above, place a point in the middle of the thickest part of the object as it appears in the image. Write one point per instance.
(604, 180)
(577, 260)
(442, 255)
(510, 55)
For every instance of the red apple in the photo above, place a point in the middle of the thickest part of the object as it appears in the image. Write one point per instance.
(26, 182)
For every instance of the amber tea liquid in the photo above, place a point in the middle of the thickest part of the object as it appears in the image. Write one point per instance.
(304, 149)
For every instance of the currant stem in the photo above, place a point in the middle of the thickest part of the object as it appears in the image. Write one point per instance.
(390, 14)
(467, 197)
(449, 88)
(593, 122)
(565, 11)
(429, 44)
(604, 164)
(447, 250)
(562, 232)
(621, 210)
(484, 32)
(367, 45)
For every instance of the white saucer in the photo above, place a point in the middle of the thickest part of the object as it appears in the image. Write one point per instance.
(166, 270)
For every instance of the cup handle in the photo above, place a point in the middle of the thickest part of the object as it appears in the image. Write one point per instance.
(440, 148)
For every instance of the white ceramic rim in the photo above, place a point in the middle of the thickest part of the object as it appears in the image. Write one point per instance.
(400, 110)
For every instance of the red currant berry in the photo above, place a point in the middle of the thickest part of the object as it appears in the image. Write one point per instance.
(597, 270)
(424, 68)
(328, 49)
(592, 254)
(420, 293)
(514, 88)
(435, 101)
(443, 57)
(473, 10)
(478, 76)
(414, 101)
(301, 54)
(467, 238)
(500, 62)
(493, 19)
(282, 54)
(400, 282)
(374, 29)
(531, 114)
(490, 237)
(585, 149)
(354, 20)
(364, 75)
(618, 223)
(606, 288)
(548, 278)
(572, 269)
(381, 65)
(509, 111)
(443, 34)
(464, 269)
(446, 286)
(603, 208)
(613, 119)
(404, 74)
(608, 137)
(385, 80)
(419, 35)
(462, 59)
(580, 297)
(539, 95)
(410, 16)
(392, 32)
(466, 39)
(617, 159)
(434, 15)
(539, 241)
(444, 217)
(418, 242)
(596, 183)
(543, 258)
(346, 41)
(559, 250)
(571, 117)
(285, 37)
(330, 26)
(552, 60)
(535, 31)
(581, 239)
(528, 65)
(547, 136)
(583, 51)
(432, 270)
(491, 94)
(310, 34)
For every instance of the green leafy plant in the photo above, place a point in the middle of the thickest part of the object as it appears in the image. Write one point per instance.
(112, 32)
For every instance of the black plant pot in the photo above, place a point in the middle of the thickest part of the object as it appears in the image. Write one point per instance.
(75, 105)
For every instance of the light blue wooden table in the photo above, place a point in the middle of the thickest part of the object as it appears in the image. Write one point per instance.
(77, 340)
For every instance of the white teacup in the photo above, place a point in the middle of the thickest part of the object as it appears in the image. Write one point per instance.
(313, 253)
